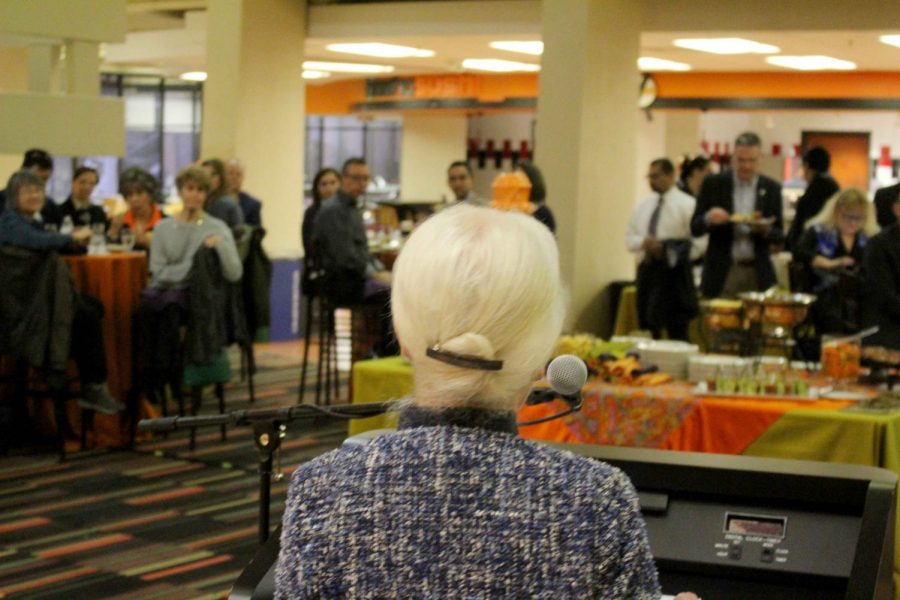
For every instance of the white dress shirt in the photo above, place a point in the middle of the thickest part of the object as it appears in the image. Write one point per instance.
(674, 222)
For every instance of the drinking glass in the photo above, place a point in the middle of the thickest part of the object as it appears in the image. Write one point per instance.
(127, 239)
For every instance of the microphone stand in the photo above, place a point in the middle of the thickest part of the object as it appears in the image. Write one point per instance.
(269, 427)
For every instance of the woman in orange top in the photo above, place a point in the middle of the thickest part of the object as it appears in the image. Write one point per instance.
(139, 188)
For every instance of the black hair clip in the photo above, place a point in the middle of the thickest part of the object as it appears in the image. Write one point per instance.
(465, 362)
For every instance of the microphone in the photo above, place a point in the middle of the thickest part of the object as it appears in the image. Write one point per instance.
(566, 375)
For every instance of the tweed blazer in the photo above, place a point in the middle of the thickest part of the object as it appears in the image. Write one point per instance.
(447, 509)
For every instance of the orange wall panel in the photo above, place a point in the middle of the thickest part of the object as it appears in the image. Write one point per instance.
(870, 84)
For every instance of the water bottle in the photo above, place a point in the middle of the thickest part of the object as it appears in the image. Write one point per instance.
(67, 226)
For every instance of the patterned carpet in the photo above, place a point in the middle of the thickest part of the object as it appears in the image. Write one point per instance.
(155, 522)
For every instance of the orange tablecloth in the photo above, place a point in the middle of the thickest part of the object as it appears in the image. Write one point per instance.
(669, 417)
(116, 280)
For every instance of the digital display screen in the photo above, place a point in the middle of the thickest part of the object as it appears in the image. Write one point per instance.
(755, 525)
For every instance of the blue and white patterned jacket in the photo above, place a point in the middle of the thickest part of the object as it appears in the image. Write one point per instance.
(456, 505)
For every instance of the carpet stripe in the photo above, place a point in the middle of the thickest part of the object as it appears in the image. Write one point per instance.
(81, 546)
(160, 516)
(215, 560)
(220, 506)
(43, 481)
(215, 478)
(48, 580)
(23, 524)
(179, 560)
(173, 470)
(155, 466)
(16, 490)
(227, 537)
(153, 498)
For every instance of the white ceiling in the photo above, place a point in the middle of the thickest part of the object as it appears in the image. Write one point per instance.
(169, 42)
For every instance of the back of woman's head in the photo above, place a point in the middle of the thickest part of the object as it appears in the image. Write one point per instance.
(538, 188)
(17, 181)
(479, 283)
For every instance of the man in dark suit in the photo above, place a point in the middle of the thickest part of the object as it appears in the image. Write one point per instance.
(885, 198)
(250, 206)
(821, 186)
(741, 211)
(881, 302)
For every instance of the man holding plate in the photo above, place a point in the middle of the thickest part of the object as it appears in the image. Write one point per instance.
(741, 210)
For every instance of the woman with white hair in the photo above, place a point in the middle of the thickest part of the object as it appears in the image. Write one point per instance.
(455, 504)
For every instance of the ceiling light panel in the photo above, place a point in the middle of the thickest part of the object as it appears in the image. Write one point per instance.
(340, 67)
(726, 46)
(378, 50)
(811, 63)
(533, 48)
(649, 63)
(890, 40)
(498, 66)
(310, 74)
(194, 76)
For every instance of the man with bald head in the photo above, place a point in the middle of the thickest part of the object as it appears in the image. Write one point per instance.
(250, 206)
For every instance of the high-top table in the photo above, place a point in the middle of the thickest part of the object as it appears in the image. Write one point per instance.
(116, 280)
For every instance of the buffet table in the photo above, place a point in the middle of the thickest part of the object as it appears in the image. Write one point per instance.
(673, 417)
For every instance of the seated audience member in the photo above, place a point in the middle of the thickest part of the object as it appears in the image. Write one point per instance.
(19, 228)
(251, 208)
(78, 206)
(459, 179)
(139, 188)
(478, 305)
(40, 163)
(820, 187)
(538, 196)
(831, 249)
(339, 236)
(693, 172)
(881, 301)
(176, 240)
(325, 184)
(219, 203)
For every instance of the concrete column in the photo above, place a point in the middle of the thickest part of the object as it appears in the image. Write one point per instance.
(82, 66)
(254, 106)
(586, 142)
(429, 145)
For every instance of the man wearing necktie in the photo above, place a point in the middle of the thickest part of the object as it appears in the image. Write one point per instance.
(659, 232)
(741, 211)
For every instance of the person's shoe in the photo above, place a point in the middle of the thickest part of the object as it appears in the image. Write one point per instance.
(96, 396)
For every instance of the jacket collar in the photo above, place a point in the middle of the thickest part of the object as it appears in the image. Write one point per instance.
(490, 420)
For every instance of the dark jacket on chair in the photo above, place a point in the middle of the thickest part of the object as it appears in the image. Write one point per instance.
(718, 191)
(257, 279)
(215, 310)
(37, 306)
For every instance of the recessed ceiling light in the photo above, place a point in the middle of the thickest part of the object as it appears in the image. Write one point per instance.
(811, 63)
(310, 74)
(194, 76)
(497, 65)
(891, 40)
(648, 63)
(534, 48)
(339, 67)
(380, 50)
(726, 46)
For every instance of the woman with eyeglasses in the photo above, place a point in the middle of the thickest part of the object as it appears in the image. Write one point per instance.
(831, 249)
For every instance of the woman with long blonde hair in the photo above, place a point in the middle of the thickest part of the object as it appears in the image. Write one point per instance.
(832, 248)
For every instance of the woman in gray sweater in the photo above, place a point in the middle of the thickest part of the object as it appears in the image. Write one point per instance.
(175, 241)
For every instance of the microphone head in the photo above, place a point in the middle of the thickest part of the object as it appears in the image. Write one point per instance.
(567, 374)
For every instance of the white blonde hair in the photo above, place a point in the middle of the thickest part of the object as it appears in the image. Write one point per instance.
(846, 198)
(477, 282)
